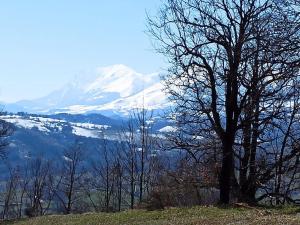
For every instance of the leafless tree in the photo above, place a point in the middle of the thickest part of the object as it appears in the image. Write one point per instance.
(39, 189)
(8, 195)
(72, 173)
(233, 63)
(130, 157)
(143, 119)
(278, 161)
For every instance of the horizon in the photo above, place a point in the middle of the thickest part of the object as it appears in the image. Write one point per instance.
(47, 44)
(87, 75)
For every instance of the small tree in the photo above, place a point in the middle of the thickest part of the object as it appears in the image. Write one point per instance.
(143, 119)
(38, 187)
(9, 195)
(72, 172)
(129, 156)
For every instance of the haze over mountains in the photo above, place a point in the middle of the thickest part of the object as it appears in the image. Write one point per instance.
(87, 109)
(113, 90)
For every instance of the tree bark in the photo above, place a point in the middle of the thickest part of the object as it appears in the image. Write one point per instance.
(226, 172)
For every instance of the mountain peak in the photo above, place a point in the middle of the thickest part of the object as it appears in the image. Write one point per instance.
(113, 69)
(112, 88)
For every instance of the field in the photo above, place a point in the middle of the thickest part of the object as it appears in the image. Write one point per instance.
(174, 216)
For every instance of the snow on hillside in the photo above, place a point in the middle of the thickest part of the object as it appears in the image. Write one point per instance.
(26, 123)
(168, 129)
(86, 132)
(151, 98)
(48, 125)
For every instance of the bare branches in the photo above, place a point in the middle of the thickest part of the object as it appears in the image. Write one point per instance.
(233, 67)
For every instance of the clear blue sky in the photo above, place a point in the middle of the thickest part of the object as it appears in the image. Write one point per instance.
(44, 43)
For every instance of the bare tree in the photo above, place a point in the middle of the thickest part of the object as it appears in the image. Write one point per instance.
(38, 189)
(143, 119)
(232, 62)
(72, 172)
(278, 163)
(9, 195)
(119, 173)
(130, 157)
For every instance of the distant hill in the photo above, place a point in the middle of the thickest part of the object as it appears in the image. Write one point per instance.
(49, 136)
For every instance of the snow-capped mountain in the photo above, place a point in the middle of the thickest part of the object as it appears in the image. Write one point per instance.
(109, 90)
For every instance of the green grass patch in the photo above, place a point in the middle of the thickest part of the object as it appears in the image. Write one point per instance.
(174, 216)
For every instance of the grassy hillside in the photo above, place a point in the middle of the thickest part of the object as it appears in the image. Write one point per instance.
(174, 216)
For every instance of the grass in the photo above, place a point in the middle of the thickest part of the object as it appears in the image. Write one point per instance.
(174, 216)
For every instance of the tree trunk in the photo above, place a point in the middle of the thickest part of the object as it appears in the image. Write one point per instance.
(247, 194)
(226, 172)
(132, 182)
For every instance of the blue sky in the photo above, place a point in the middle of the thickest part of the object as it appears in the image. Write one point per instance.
(43, 44)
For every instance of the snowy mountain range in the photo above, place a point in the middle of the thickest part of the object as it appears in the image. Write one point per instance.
(109, 90)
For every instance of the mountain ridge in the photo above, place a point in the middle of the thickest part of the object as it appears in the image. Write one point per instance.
(112, 90)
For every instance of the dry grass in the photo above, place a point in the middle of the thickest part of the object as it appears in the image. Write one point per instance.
(174, 216)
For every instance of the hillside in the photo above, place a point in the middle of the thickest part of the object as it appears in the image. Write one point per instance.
(196, 215)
